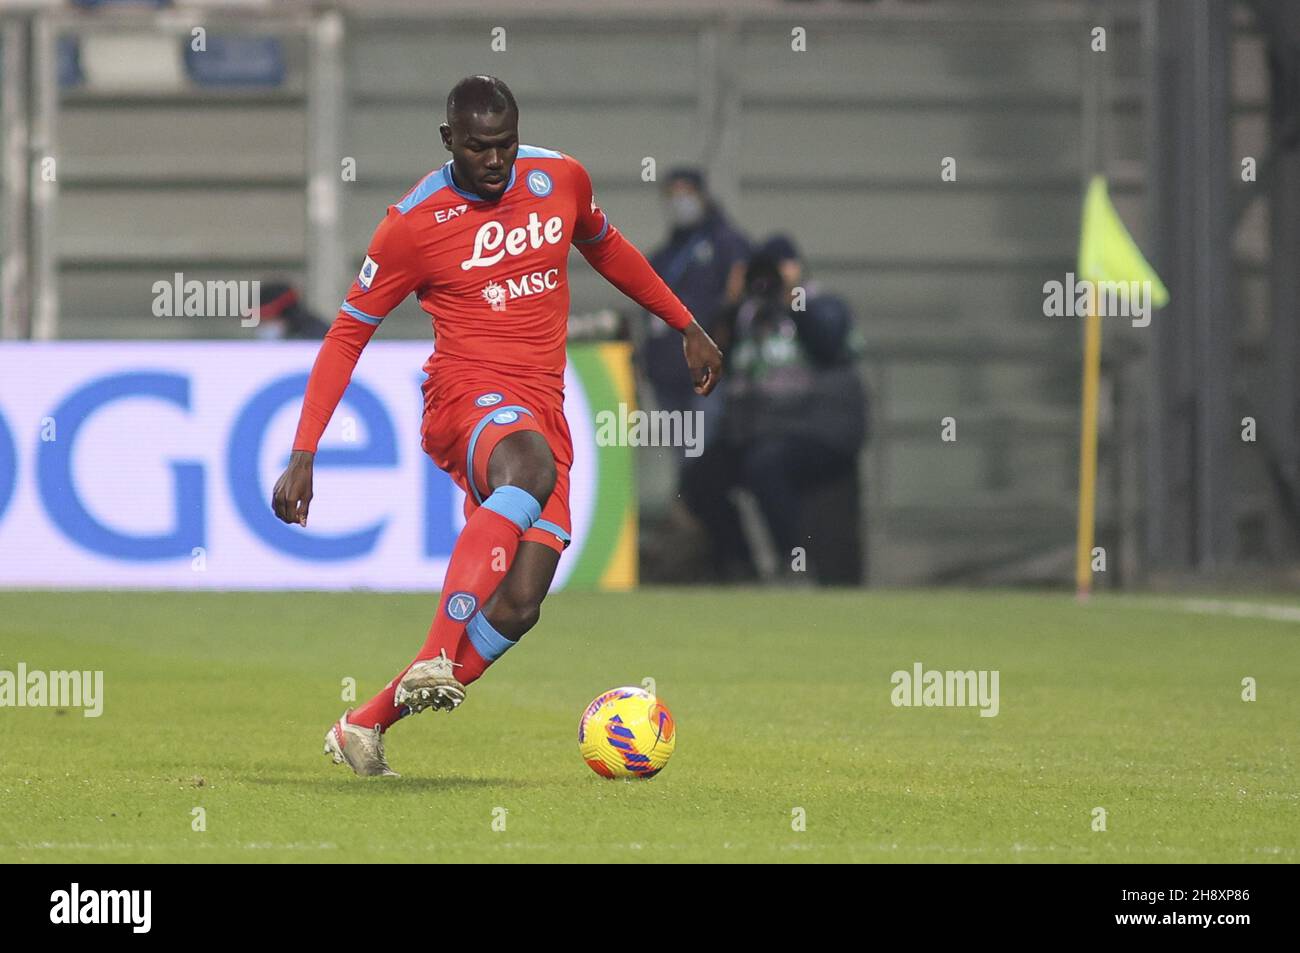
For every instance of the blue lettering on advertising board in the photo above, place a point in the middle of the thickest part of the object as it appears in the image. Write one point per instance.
(62, 501)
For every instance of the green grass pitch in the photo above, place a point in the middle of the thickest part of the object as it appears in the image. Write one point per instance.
(782, 699)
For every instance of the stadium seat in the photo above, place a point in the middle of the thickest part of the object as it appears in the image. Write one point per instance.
(69, 52)
(237, 61)
(122, 3)
(146, 63)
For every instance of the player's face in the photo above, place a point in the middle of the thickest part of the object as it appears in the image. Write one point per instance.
(483, 147)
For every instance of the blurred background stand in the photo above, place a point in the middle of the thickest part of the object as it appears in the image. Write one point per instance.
(277, 154)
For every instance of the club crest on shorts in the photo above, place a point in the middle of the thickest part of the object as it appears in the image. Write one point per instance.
(461, 605)
(505, 417)
(487, 400)
(539, 183)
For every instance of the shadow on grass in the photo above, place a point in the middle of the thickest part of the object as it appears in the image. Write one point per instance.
(356, 785)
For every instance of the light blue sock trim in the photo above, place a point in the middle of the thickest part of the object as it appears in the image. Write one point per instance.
(487, 641)
(515, 504)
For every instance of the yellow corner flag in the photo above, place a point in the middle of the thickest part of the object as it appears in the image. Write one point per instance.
(1107, 252)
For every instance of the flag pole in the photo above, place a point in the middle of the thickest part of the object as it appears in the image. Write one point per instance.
(1094, 103)
(1088, 450)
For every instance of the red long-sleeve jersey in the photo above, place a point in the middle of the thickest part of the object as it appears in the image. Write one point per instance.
(493, 275)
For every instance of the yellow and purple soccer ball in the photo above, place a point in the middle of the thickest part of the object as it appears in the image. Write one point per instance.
(627, 733)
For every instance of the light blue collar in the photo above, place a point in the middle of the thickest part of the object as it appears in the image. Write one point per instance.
(473, 196)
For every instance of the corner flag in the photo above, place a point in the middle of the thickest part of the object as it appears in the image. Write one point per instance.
(1107, 252)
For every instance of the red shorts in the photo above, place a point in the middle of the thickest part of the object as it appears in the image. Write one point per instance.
(463, 423)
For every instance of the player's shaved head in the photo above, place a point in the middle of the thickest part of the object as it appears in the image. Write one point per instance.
(482, 135)
(480, 95)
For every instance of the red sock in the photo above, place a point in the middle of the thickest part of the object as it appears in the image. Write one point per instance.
(380, 710)
(472, 665)
(479, 561)
(483, 554)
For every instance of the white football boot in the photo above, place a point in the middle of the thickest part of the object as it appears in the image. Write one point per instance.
(431, 684)
(361, 748)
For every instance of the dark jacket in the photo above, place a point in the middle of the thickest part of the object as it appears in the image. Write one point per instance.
(793, 372)
(694, 263)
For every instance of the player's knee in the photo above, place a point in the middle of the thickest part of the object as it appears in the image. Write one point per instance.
(514, 614)
(524, 459)
(538, 479)
(542, 480)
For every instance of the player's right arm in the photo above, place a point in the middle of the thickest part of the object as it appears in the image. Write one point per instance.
(388, 275)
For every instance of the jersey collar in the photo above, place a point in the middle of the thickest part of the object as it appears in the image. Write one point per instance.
(473, 196)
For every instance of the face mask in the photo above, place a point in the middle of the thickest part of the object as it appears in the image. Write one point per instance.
(685, 209)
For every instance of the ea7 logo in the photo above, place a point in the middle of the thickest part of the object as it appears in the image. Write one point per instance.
(447, 214)
(132, 907)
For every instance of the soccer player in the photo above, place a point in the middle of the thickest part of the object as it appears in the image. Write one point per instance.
(483, 242)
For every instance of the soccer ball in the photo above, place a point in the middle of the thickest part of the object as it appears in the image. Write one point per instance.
(627, 733)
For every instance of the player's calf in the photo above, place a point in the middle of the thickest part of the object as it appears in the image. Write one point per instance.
(514, 609)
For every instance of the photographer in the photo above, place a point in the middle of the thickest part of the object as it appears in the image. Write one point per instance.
(795, 417)
(702, 260)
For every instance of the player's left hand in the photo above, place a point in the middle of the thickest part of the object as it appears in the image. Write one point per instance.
(702, 357)
(291, 497)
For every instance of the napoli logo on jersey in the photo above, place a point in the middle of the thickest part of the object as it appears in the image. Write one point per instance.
(487, 400)
(461, 605)
(505, 417)
(539, 183)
